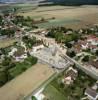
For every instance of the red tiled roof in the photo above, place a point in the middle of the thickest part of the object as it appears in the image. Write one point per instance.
(92, 37)
(94, 63)
(92, 46)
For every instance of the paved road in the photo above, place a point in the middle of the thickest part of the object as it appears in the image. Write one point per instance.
(84, 68)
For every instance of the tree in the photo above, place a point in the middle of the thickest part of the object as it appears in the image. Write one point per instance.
(34, 98)
(32, 60)
(1, 20)
(29, 41)
(86, 58)
(69, 45)
(6, 61)
(3, 78)
(53, 17)
(42, 19)
(63, 29)
(96, 52)
(3, 51)
(29, 18)
(71, 53)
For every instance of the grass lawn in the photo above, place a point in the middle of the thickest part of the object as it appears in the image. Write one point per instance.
(53, 94)
(7, 42)
(18, 69)
(22, 66)
(56, 90)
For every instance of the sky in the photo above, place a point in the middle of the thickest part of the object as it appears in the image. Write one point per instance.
(17, 0)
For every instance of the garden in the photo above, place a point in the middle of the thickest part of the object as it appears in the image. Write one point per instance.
(56, 90)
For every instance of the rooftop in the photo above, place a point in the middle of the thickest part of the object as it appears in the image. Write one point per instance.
(91, 92)
(71, 72)
(19, 52)
(94, 63)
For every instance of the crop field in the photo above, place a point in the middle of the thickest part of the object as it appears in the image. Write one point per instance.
(26, 83)
(73, 17)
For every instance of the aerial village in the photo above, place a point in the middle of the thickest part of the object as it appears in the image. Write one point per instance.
(72, 54)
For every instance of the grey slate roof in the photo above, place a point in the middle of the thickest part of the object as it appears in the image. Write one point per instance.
(91, 92)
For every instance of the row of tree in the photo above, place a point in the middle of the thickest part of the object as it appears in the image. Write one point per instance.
(1, 20)
(24, 21)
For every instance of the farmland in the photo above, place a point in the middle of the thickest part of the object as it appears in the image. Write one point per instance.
(27, 82)
(73, 17)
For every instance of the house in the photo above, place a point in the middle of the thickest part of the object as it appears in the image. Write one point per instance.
(91, 94)
(92, 39)
(80, 31)
(70, 76)
(77, 48)
(40, 31)
(20, 54)
(93, 48)
(36, 48)
(11, 53)
(94, 64)
(25, 28)
(3, 37)
(69, 32)
(84, 46)
(18, 34)
(90, 42)
(39, 95)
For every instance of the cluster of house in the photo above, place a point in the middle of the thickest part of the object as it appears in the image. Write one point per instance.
(4, 27)
(93, 65)
(40, 31)
(71, 74)
(7, 26)
(90, 42)
(18, 53)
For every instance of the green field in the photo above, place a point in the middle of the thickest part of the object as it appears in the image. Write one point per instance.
(23, 66)
(53, 94)
(62, 22)
(7, 42)
(70, 17)
(20, 7)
